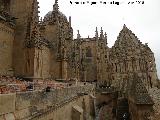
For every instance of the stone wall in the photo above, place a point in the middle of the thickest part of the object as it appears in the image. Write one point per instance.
(90, 58)
(50, 33)
(42, 105)
(6, 48)
(7, 103)
(46, 62)
(68, 110)
(140, 112)
(21, 10)
(90, 62)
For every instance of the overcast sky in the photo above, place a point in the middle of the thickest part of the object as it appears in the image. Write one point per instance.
(142, 19)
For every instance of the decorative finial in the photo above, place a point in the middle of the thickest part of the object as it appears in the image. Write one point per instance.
(96, 35)
(56, 1)
(105, 35)
(101, 34)
(101, 30)
(41, 19)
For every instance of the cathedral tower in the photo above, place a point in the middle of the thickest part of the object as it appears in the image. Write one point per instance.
(23, 11)
(57, 30)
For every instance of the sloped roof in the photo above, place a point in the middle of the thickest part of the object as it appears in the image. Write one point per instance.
(128, 45)
(127, 37)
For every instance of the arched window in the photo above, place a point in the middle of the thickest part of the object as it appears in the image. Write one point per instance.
(88, 52)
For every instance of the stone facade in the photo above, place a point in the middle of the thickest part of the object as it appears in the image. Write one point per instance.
(116, 64)
(36, 49)
(40, 49)
(91, 55)
(6, 48)
(129, 56)
(46, 49)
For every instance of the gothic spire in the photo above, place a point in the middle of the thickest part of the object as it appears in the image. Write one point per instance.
(105, 38)
(96, 34)
(101, 34)
(70, 23)
(78, 35)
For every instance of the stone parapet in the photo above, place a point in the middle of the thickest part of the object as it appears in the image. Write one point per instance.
(26, 104)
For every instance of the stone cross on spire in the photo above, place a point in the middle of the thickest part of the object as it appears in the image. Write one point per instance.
(56, 1)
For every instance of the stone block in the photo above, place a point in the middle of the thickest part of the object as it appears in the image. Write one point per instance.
(7, 103)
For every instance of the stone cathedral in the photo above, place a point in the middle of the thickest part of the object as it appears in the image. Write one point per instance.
(70, 79)
(45, 49)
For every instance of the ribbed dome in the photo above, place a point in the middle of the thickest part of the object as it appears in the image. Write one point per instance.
(48, 14)
(51, 15)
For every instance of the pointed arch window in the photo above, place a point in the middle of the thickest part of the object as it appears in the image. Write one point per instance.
(88, 52)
